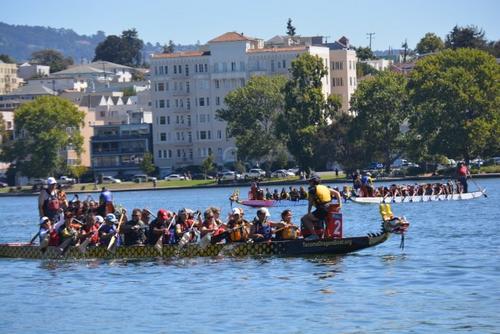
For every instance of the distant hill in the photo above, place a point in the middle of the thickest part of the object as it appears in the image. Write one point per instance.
(20, 41)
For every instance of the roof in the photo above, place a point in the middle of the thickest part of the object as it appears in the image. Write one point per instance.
(34, 88)
(91, 101)
(182, 54)
(287, 49)
(230, 37)
(96, 67)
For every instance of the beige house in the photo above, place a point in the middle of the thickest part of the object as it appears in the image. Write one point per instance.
(188, 87)
(8, 78)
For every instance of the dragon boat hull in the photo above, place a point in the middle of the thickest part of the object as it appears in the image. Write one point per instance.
(416, 199)
(256, 203)
(297, 247)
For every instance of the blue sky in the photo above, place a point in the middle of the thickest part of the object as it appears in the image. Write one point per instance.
(189, 21)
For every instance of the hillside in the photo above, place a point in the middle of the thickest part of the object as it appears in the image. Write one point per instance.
(20, 41)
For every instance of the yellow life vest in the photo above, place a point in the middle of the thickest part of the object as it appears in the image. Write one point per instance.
(322, 195)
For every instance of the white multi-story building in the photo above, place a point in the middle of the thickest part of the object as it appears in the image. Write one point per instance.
(187, 88)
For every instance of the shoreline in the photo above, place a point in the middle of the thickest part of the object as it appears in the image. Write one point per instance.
(247, 184)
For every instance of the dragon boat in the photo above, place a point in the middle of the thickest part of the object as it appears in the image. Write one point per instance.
(266, 203)
(418, 198)
(297, 247)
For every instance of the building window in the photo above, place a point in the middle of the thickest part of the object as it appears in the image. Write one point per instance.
(162, 103)
(206, 67)
(178, 153)
(219, 134)
(203, 135)
(166, 69)
(217, 100)
(161, 70)
(233, 66)
(161, 86)
(187, 70)
(175, 69)
(163, 136)
(162, 120)
(217, 84)
(159, 154)
(168, 103)
(201, 101)
(187, 87)
(188, 104)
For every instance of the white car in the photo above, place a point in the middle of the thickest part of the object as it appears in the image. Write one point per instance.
(254, 173)
(143, 178)
(110, 179)
(282, 173)
(174, 177)
(230, 176)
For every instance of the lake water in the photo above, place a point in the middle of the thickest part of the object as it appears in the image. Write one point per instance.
(447, 279)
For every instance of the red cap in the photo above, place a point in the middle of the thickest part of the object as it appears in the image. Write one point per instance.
(164, 214)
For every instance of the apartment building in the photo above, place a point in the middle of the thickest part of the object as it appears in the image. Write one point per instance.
(8, 78)
(187, 88)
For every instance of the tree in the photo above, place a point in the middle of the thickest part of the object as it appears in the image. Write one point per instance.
(429, 43)
(44, 128)
(169, 48)
(251, 113)
(457, 100)
(363, 69)
(52, 58)
(147, 165)
(306, 110)
(208, 165)
(465, 37)
(290, 29)
(7, 59)
(77, 171)
(364, 53)
(382, 104)
(125, 50)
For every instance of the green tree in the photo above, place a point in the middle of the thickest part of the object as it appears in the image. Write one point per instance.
(125, 50)
(457, 99)
(290, 29)
(382, 104)
(494, 48)
(208, 165)
(251, 113)
(306, 110)
(44, 128)
(363, 69)
(429, 43)
(77, 171)
(169, 48)
(364, 53)
(147, 165)
(465, 37)
(52, 58)
(7, 59)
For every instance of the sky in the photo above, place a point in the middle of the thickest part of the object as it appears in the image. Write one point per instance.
(190, 21)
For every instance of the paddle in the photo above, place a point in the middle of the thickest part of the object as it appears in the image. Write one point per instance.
(114, 236)
(63, 248)
(83, 246)
(478, 187)
(34, 238)
(159, 243)
(187, 235)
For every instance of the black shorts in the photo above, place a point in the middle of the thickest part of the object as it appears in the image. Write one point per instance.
(321, 212)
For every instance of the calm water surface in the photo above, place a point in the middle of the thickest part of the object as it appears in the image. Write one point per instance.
(447, 279)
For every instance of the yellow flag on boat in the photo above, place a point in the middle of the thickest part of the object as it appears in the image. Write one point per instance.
(385, 211)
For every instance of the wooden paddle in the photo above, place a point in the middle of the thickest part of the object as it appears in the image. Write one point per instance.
(478, 187)
(112, 241)
(34, 238)
(159, 243)
(83, 246)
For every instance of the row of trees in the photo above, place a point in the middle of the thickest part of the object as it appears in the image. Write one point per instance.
(448, 106)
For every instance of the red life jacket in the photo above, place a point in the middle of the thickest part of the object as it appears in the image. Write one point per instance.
(54, 238)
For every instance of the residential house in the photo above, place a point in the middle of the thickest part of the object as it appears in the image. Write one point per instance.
(28, 71)
(9, 81)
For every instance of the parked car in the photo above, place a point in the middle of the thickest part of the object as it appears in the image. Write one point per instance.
(254, 173)
(174, 177)
(282, 173)
(201, 176)
(230, 176)
(376, 165)
(3, 184)
(110, 179)
(143, 178)
(66, 180)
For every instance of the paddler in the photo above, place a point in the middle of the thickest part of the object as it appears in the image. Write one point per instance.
(262, 227)
(107, 230)
(286, 230)
(105, 202)
(238, 227)
(134, 230)
(48, 201)
(320, 197)
(160, 227)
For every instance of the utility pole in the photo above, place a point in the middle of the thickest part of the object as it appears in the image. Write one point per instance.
(370, 36)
